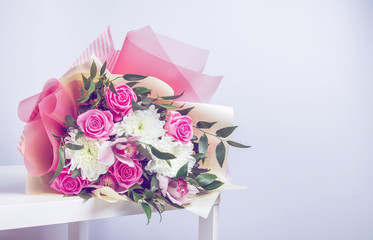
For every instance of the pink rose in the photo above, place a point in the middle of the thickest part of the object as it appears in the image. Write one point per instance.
(125, 175)
(179, 127)
(120, 104)
(178, 190)
(96, 124)
(65, 184)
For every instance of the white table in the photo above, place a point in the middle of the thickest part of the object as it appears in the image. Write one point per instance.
(18, 210)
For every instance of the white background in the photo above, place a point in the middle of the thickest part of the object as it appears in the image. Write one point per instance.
(299, 75)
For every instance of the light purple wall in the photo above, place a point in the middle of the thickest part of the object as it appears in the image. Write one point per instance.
(299, 75)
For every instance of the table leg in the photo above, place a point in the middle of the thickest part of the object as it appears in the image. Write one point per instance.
(208, 228)
(78, 230)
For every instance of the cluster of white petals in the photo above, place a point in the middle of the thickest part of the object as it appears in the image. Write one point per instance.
(85, 159)
(181, 151)
(141, 123)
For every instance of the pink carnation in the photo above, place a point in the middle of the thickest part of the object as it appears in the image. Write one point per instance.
(179, 127)
(121, 104)
(65, 184)
(96, 124)
(126, 175)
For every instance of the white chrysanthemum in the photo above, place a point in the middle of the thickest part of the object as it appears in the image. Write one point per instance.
(85, 159)
(141, 123)
(181, 151)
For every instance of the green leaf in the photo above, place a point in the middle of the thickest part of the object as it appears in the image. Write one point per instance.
(61, 162)
(236, 144)
(136, 196)
(220, 153)
(154, 185)
(159, 211)
(135, 187)
(168, 106)
(73, 146)
(205, 179)
(161, 155)
(194, 138)
(131, 84)
(192, 181)
(70, 121)
(168, 162)
(147, 100)
(75, 173)
(173, 97)
(85, 196)
(198, 156)
(149, 194)
(214, 185)
(86, 82)
(185, 111)
(112, 88)
(136, 106)
(79, 135)
(103, 68)
(141, 90)
(133, 77)
(225, 132)
(207, 125)
(183, 171)
(203, 144)
(93, 70)
(97, 102)
(144, 152)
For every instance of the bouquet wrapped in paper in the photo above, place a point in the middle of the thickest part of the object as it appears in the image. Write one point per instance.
(130, 124)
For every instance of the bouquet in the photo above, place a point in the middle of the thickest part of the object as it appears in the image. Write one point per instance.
(126, 136)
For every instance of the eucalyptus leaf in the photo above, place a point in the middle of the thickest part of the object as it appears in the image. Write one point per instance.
(86, 82)
(161, 155)
(144, 152)
(112, 88)
(173, 97)
(185, 111)
(93, 70)
(168, 106)
(154, 185)
(236, 144)
(61, 162)
(203, 124)
(205, 179)
(220, 153)
(85, 196)
(183, 171)
(136, 106)
(133, 77)
(74, 146)
(147, 100)
(203, 144)
(141, 90)
(103, 68)
(70, 121)
(198, 156)
(131, 84)
(97, 102)
(214, 185)
(225, 132)
(75, 173)
(136, 196)
(159, 211)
